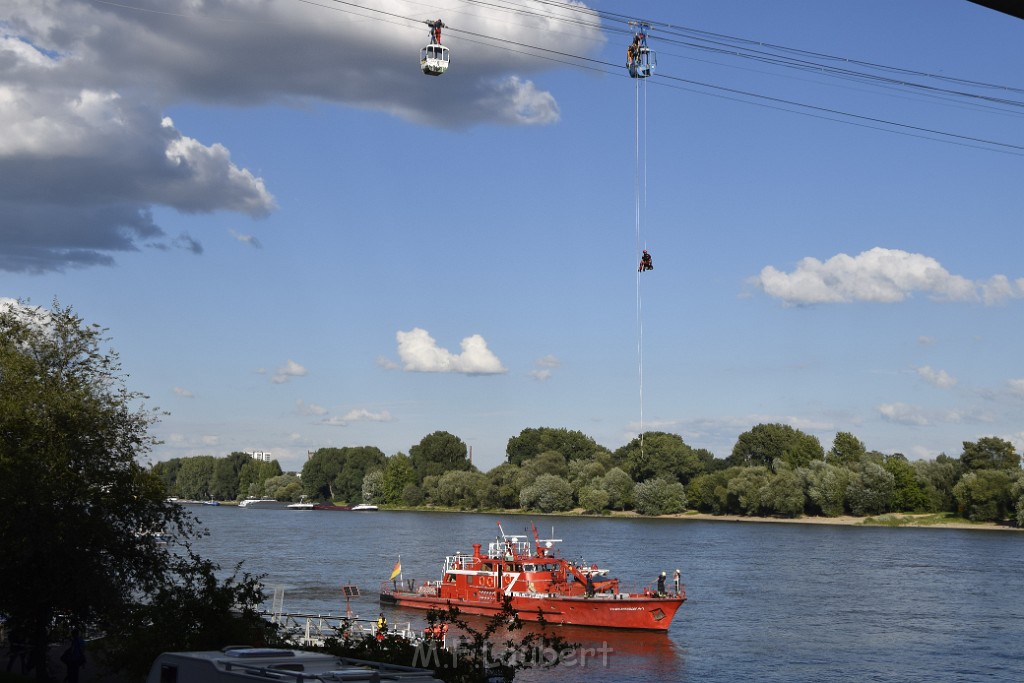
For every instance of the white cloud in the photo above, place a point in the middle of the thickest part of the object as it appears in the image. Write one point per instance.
(1016, 386)
(938, 378)
(419, 352)
(883, 276)
(185, 393)
(902, 413)
(246, 239)
(86, 153)
(545, 365)
(287, 371)
(304, 408)
(387, 363)
(358, 415)
(925, 340)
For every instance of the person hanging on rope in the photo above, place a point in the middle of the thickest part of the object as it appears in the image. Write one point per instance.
(645, 262)
(435, 31)
(633, 51)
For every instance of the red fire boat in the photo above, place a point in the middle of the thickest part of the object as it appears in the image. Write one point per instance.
(538, 582)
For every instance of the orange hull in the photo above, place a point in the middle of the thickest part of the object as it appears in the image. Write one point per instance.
(634, 612)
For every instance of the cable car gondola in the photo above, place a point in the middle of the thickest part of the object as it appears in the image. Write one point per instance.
(435, 56)
(640, 60)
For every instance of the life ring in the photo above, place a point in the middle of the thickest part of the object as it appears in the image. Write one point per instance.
(489, 581)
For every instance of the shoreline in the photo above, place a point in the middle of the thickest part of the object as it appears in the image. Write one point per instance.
(924, 520)
(889, 520)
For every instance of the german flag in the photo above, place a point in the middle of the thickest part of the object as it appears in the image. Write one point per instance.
(397, 570)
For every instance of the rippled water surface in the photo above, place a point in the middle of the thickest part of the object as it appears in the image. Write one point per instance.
(767, 602)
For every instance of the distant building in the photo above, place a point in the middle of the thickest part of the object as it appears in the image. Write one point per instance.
(260, 455)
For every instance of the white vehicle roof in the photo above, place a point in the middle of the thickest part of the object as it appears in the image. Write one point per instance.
(235, 665)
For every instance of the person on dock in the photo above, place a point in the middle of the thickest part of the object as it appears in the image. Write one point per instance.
(675, 580)
(382, 626)
(590, 586)
(661, 585)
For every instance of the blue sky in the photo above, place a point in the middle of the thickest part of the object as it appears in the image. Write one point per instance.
(297, 240)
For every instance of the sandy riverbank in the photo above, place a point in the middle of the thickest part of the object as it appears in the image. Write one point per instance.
(889, 520)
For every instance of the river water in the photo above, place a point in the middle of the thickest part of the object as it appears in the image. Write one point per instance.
(767, 602)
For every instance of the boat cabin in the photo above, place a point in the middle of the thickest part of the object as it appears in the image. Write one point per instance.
(509, 567)
(434, 59)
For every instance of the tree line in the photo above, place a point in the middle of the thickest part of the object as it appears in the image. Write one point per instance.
(773, 470)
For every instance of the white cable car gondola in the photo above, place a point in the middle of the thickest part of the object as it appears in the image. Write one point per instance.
(640, 60)
(435, 56)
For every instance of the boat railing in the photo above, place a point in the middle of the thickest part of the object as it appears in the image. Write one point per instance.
(315, 629)
(508, 547)
(405, 586)
(457, 561)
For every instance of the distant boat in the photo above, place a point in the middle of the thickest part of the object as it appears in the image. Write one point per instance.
(211, 502)
(301, 506)
(263, 503)
(361, 507)
(364, 507)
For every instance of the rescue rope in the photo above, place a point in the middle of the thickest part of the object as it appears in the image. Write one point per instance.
(640, 201)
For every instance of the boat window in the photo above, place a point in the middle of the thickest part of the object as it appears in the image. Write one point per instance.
(529, 568)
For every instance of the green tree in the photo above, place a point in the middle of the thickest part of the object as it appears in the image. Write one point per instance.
(619, 486)
(373, 484)
(871, 492)
(593, 498)
(659, 497)
(548, 462)
(195, 477)
(167, 472)
(548, 493)
(318, 474)
(283, 487)
(225, 484)
(583, 473)
(661, 455)
(748, 491)
(989, 453)
(937, 479)
(1017, 496)
(572, 445)
(826, 487)
(766, 443)
(907, 494)
(460, 488)
(337, 473)
(398, 473)
(710, 492)
(846, 450)
(504, 486)
(986, 494)
(78, 513)
(438, 453)
(252, 477)
(785, 493)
